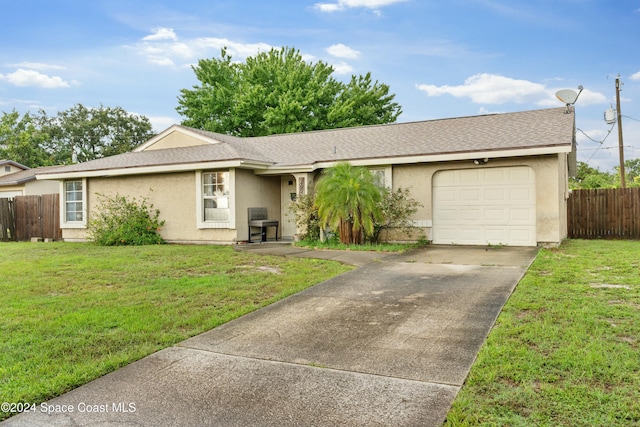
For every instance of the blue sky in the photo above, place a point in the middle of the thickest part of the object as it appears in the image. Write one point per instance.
(442, 59)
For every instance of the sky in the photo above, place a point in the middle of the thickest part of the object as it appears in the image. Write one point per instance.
(441, 59)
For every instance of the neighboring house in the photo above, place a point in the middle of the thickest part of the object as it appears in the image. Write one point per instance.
(19, 180)
(491, 179)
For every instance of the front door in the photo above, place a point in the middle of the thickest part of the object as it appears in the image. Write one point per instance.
(288, 221)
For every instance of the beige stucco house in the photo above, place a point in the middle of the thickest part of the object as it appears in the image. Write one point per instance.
(490, 179)
(19, 180)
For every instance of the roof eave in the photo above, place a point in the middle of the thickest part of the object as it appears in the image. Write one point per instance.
(423, 158)
(146, 170)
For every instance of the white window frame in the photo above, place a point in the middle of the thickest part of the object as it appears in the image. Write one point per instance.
(386, 172)
(64, 223)
(200, 197)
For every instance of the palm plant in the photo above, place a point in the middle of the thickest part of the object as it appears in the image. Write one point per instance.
(348, 200)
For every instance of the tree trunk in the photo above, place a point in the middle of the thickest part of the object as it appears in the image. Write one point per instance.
(346, 232)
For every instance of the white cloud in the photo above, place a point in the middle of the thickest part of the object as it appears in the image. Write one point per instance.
(160, 123)
(163, 48)
(37, 66)
(328, 7)
(495, 89)
(24, 78)
(341, 51)
(235, 49)
(635, 76)
(374, 5)
(161, 34)
(342, 68)
(490, 89)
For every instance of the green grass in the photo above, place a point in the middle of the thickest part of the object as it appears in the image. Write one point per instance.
(73, 312)
(377, 247)
(565, 350)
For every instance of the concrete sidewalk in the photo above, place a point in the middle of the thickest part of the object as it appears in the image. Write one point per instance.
(389, 343)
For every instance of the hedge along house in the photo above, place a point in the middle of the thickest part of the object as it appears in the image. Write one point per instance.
(490, 179)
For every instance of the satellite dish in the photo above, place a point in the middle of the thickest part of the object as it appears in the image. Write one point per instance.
(568, 96)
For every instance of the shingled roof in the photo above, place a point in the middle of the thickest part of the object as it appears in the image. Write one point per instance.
(552, 129)
(24, 176)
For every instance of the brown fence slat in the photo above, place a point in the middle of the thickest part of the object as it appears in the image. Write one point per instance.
(612, 213)
(7, 220)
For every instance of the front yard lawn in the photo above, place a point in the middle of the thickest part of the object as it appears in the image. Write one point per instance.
(565, 350)
(73, 312)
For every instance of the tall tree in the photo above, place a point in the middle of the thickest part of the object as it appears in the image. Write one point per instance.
(22, 140)
(83, 134)
(347, 198)
(279, 92)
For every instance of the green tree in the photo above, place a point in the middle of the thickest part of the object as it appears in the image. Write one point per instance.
(348, 200)
(632, 173)
(92, 133)
(279, 92)
(588, 177)
(22, 140)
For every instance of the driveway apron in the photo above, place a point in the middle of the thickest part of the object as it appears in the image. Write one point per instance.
(389, 343)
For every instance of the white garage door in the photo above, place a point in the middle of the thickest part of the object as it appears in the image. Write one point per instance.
(485, 206)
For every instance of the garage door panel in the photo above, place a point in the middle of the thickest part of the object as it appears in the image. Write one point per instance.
(495, 194)
(485, 206)
(520, 194)
(523, 216)
(470, 195)
(469, 176)
(444, 194)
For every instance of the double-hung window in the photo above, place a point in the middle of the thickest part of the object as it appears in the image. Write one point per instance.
(74, 201)
(215, 195)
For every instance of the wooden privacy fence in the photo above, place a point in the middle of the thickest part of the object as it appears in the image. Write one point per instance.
(7, 220)
(612, 213)
(33, 216)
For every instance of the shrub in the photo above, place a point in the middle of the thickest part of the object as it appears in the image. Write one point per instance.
(119, 220)
(306, 216)
(397, 208)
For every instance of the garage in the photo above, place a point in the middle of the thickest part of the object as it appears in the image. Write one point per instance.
(485, 205)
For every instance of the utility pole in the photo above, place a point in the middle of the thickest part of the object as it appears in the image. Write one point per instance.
(621, 146)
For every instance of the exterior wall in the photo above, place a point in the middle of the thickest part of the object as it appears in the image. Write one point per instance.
(12, 191)
(175, 140)
(34, 188)
(550, 175)
(564, 171)
(256, 191)
(173, 194)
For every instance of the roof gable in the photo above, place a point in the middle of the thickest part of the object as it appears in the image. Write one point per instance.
(178, 137)
(12, 167)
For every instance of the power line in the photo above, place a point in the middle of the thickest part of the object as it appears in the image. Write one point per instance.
(605, 137)
(633, 147)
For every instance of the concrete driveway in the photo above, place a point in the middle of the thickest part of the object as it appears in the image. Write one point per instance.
(389, 343)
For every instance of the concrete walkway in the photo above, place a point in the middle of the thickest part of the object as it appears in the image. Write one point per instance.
(389, 343)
